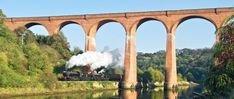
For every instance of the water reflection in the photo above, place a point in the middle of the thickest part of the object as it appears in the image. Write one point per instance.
(107, 94)
(149, 94)
(170, 94)
(128, 94)
(157, 93)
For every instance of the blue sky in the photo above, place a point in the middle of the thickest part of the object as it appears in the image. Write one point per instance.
(151, 35)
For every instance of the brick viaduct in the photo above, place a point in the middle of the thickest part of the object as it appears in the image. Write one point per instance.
(130, 21)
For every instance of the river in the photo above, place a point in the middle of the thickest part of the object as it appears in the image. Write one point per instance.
(157, 93)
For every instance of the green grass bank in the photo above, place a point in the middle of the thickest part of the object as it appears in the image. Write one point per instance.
(61, 87)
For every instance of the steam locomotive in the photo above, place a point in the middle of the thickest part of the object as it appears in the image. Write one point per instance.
(86, 74)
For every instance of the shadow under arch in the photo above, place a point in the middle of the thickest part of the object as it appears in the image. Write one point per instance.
(65, 23)
(96, 26)
(32, 24)
(139, 22)
(175, 26)
(28, 25)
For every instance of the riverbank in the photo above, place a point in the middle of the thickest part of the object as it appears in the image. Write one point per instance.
(72, 86)
(161, 84)
(61, 87)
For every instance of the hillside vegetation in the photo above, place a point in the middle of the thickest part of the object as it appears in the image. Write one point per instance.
(192, 64)
(28, 60)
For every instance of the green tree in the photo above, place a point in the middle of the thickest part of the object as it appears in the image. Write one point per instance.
(76, 51)
(43, 40)
(26, 36)
(140, 74)
(59, 42)
(37, 60)
(4, 31)
(30, 65)
(2, 15)
(14, 52)
(8, 77)
(220, 81)
(192, 64)
(152, 75)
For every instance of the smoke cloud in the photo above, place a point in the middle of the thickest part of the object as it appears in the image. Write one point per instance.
(105, 58)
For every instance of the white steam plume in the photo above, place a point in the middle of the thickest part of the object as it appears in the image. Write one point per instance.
(96, 59)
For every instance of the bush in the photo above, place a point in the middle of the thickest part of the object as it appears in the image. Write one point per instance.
(59, 43)
(49, 80)
(3, 58)
(37, 60)
(180, 78)
(9, 78)
(152, 75)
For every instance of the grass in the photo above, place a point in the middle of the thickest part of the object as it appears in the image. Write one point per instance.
(68, 86)
(61, 87)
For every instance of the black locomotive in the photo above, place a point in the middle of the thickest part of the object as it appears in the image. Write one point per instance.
(85, 74)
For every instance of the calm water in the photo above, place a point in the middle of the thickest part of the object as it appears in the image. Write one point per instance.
(157, 93)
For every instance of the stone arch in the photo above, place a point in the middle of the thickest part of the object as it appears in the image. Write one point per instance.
(71, 37)
(193, 39)
(139, 22)
(105, 28)
(28, 25)
(31, 24)
(142, 30)
(193, 32)
(173, 28)
(99, 24)
(63, 24)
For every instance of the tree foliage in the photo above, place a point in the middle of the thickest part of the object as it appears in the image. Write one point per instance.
(28, 60)
(2, 15)
(57, 42)
(220, 81)
(76, 51)
(25, 36)
(192, 64)
(150, 74)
